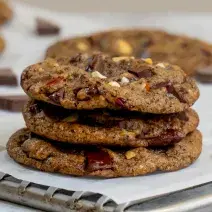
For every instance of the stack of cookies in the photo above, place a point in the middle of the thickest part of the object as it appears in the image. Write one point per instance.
(107, 116)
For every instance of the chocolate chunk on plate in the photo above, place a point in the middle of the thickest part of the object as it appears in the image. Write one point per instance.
(204, 74)
(45, 27)
(7, 77)
(13, 103)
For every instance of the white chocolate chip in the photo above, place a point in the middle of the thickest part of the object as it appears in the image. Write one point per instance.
(113, 83)
(130, 154)
(161, 65)
(124, 80)
(97, 74)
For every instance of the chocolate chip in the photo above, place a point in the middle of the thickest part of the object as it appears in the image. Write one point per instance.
(168, 137)
(92, 91)
(57, 96)
(98, 160)
(182, 116)
(44, 27)
(120, 102)
(160, 85)
(91, 63)
(170, 89)
(142, 72)
(85, 93)
(76, 58)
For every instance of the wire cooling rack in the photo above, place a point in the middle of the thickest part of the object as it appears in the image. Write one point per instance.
(198, 198)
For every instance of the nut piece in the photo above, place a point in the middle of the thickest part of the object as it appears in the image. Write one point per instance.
(82, 46)
(130, 154)
(114, 83)
(123, 47)
(161, 65)
(124, 80)
(148, 60)
(118, 59)
(97, 74)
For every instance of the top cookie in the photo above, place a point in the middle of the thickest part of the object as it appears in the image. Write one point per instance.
(100, 81)
(5, 12)
(183, 51)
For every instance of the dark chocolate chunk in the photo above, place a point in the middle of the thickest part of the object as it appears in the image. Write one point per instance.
(170, 89)
(13, 103)
(98, 160)
(91, 64)
(168, 137)
(7, 77)
(76, 58)
(56, 96)
(85, 93)
(142, 72)
(160, 85)
(204, 74)
(44, 27)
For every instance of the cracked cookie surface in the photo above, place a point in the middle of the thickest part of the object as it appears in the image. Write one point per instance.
(50, 156)
(100, 81)
(115, 128)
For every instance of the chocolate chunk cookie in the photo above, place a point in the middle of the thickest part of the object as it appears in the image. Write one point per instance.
(188, 53)
(5, 12)
(33, 151)
(108, 127)
(100, 81)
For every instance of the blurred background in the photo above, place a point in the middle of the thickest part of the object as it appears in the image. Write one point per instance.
(124, 6)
